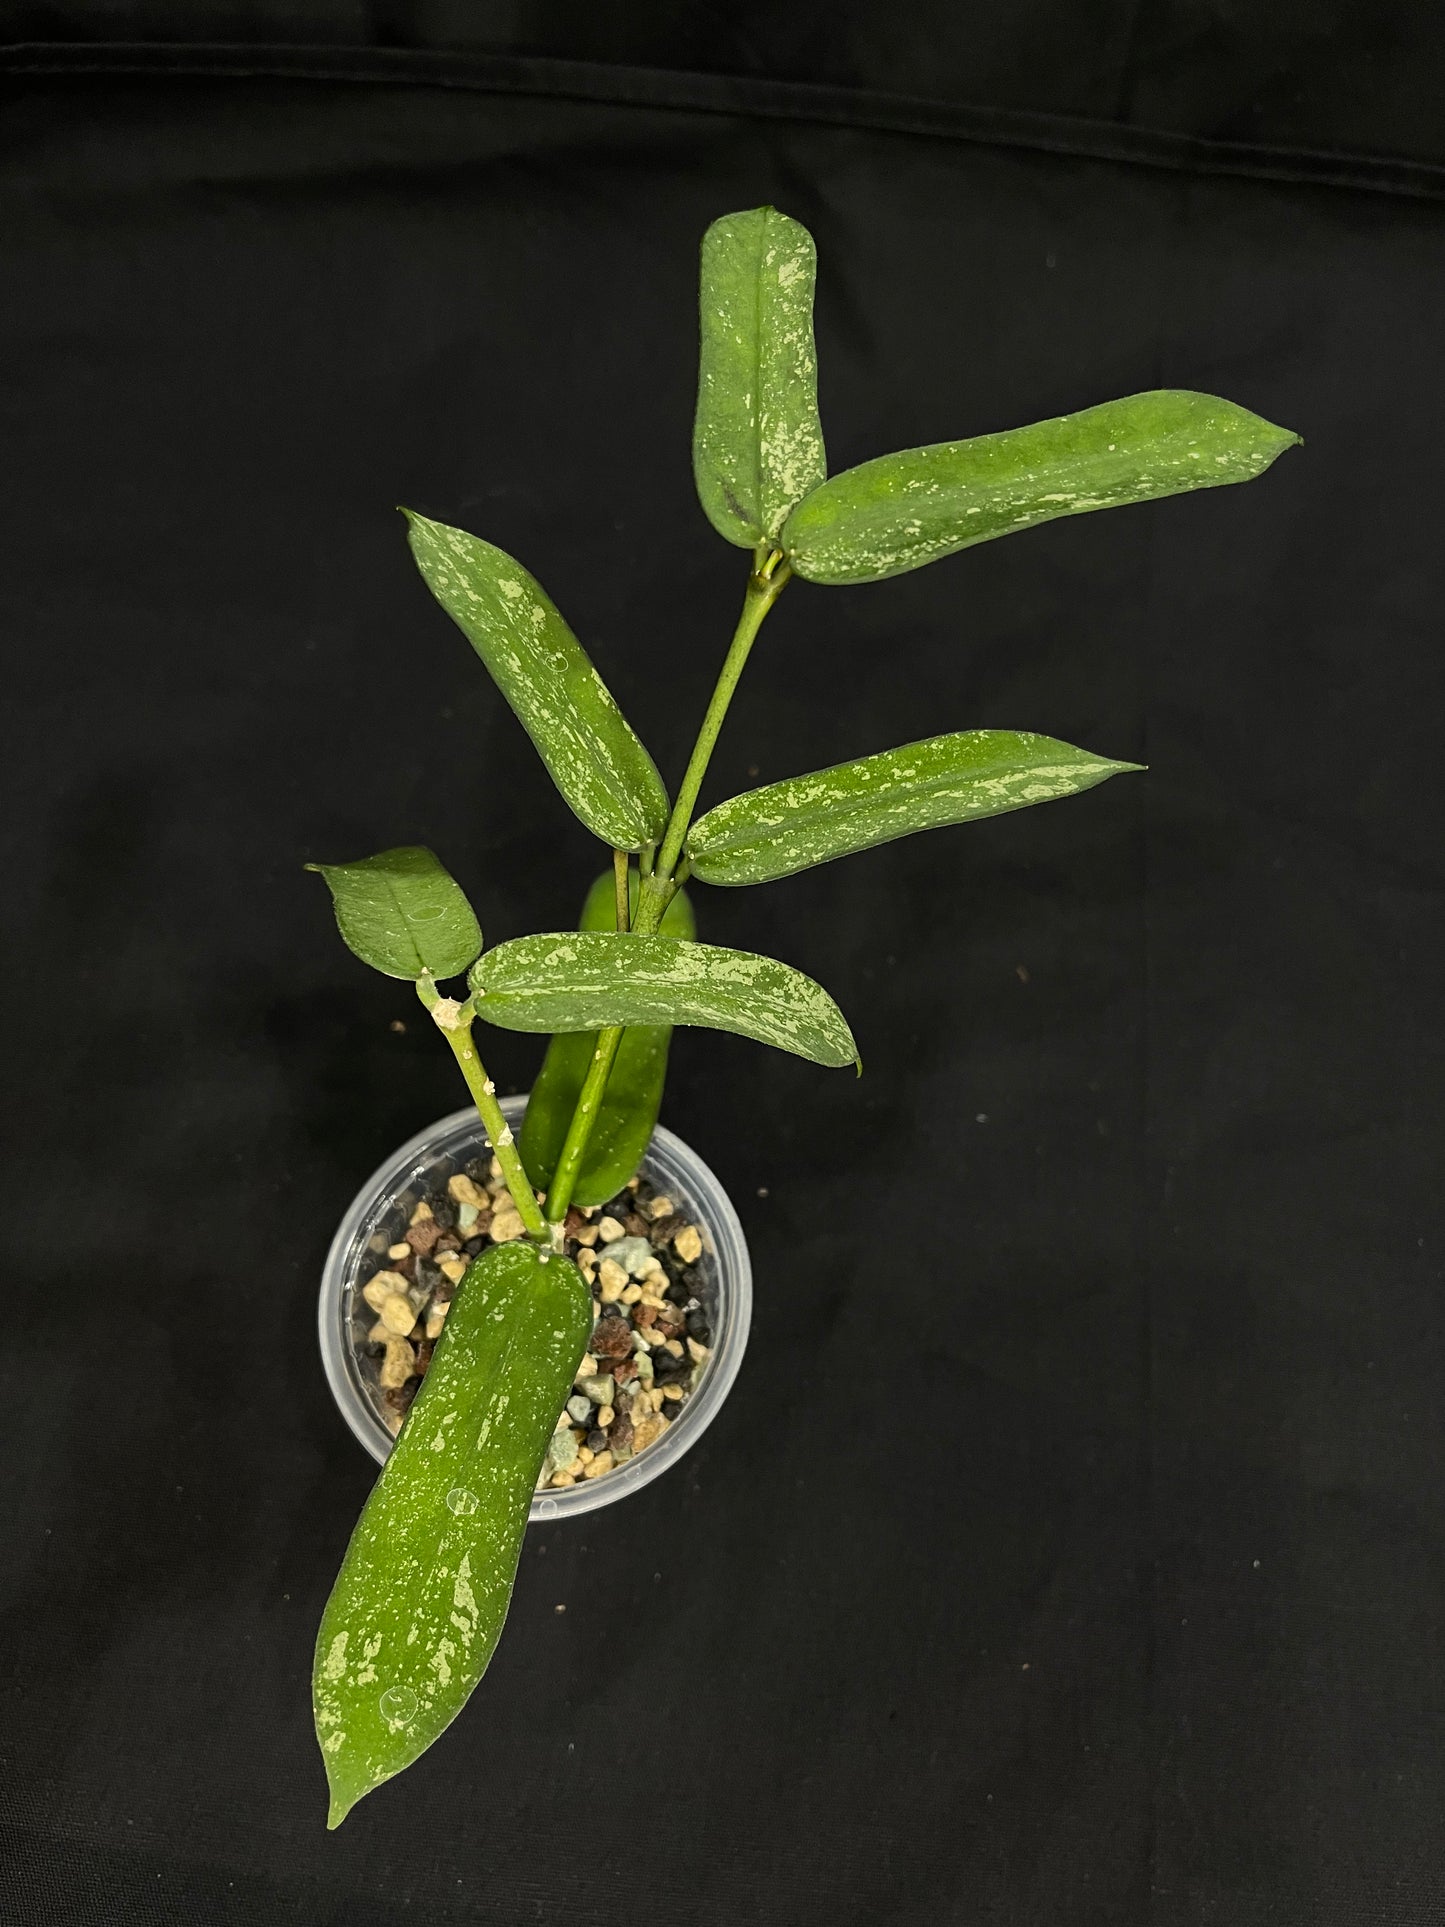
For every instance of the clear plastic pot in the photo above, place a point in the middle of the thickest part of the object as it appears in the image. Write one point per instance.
(384, 1204)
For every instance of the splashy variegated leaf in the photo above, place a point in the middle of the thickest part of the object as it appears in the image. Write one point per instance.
(419, 1602)
(790, 826)
(757, 441)
(594, 758)
(583, 981)
(896, 513)
(628, 1111)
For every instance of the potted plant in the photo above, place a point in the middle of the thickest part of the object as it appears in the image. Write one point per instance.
(539, 1311)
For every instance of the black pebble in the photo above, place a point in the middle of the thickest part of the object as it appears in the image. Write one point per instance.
(666, 1369)
(444, 1211)
(678, 1292)
(597, 1440)
(473, 1246)
(698, 1327)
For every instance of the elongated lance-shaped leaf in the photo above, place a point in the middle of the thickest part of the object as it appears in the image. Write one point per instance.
(586, 982)
(757, 443)
(424, 1588)
(627, 1114)
(896, 513)
(402, 913)
(788, 826)
(594, 758)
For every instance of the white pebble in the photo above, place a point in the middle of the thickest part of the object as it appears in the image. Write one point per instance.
(386, 1284)
(398, 1314)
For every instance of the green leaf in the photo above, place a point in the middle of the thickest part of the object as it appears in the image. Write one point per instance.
(423, 1590)
(757, 443)
(790, 826)
(594, 758)
(898, 512)
(587, 982)
(628, 1112)
(402, 913)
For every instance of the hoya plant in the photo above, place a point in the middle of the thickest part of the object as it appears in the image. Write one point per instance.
(418, 1606)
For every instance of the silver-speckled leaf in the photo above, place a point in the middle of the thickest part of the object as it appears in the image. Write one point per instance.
(594, 757)
(790, 826)
(419, 1602)
(757, 444)
(896, 513)
(574, 980)
(402, 913)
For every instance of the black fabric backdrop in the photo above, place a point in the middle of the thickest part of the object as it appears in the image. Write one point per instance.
(1070, 1549)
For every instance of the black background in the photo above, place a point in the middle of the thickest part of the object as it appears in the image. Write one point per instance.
(1070, 1549)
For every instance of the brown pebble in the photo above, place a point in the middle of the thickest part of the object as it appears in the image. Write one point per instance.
(573, 1222)
(625, 1369)
(611, 1338)
(643, 1315)
(635, 1226)
(619, 1436)
(423, 1356)
(670, 1321)
(422, 1237)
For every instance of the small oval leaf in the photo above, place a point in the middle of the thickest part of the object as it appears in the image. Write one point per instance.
(789, 826)
(418, 1605)
(896, 513)
(594, 758)
(757, 441)
(403, 913)
(587, 982)
(628, 1112)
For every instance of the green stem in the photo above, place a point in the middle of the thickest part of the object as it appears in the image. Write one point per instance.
(764, 588)
(579, 1131)
(454, 1021)
(656, 884)
(621, 864)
